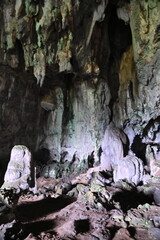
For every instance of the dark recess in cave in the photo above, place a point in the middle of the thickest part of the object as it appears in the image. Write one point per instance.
(19, 48)
(82, 226)
(37, 227)
(150, 126)
(139, 148)
(120, 38)
(42, 156)
(140, 142)
(132, 199)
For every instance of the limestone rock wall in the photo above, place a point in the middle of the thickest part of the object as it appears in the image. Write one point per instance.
(69, 67)
(76, 125)
(53, 95)
(138, 99)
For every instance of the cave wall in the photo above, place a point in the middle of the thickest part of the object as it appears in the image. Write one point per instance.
(138, 96)
(69, 67)
(53, 95)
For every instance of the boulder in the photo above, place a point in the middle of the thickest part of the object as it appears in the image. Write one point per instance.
(130, 168)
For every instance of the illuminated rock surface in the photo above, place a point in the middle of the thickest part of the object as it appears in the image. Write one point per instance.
(20, 173)
(68, 71)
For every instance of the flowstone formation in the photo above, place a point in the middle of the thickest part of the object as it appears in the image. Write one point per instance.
(112, 147)
(20, 174)
(68, 71)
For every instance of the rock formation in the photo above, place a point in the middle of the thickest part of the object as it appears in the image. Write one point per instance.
(20, 173)
(112, 147)
(130, 168)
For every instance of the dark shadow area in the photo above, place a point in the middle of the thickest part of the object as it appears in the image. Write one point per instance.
(42, 156)
(34, 210)
(5, 214)
(15, 232)
(120, 38)
(132, 231)
(20, 54)
(82, 226)
(91, 160)
(139, 148)
(152, 126)
(3, 168)
(126, 146)
(112, 231)
(20, 231)
(106, 174)
(38, 227)
(131, 199)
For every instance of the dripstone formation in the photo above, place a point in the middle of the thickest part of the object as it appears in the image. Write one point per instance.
(79, 119)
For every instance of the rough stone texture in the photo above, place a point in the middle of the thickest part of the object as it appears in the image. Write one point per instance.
(112, 147)
(20, 174)
(45, 43)
(19, 100)
(130, 168)
(67, 69)
(122, 234)
(90, 210)
(156, 196)
(75, 65)
(153, 160)
(140, 100)
(70, 130)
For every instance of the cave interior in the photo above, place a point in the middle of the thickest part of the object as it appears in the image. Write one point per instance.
(79, 119)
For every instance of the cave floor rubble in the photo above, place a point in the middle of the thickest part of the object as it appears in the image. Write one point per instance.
(79, 209)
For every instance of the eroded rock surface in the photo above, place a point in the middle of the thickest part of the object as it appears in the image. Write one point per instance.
(67, 69)
(45, 57)
(130, 168)
(77, 209)
(20, 174)
(112, 147)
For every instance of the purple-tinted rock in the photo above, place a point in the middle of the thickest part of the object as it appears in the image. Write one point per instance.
(130, 168)
(112, 147)
(20, 174)
(156, 196)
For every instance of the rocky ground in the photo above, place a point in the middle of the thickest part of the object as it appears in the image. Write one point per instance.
(89, 207)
